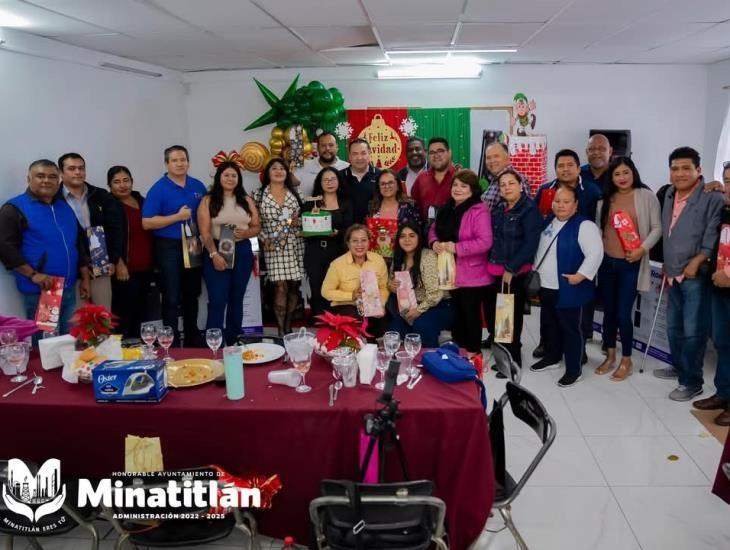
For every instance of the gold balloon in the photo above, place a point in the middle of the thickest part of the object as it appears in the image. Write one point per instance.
(277, 133)
(254, 156)
(308, 149)
(276, 143)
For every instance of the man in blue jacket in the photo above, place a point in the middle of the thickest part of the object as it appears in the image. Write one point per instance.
(40, 238)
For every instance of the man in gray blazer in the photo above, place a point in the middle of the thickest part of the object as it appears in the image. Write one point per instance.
(690, 220)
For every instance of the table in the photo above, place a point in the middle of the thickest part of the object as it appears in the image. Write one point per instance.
(722, 484)
(443, 429)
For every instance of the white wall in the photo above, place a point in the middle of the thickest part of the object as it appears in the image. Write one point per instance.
(663, 105)
(718, 111)
(62, 102)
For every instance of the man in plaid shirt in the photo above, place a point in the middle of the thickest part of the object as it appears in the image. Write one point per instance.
(496, 159)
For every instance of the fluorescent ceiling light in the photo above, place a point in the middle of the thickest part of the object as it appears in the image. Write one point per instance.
(443, 70)
(8, 19)
(461, 60)
(126, 69)
(428, 52)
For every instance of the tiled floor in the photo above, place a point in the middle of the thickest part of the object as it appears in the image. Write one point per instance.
(608, 482)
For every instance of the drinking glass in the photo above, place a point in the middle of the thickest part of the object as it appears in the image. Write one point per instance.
(299, 346)
(391, 342)
(405, 362)
(214, 339)
(412, 344)
(165, 336)
(148, 333)
(8, 336)
(382, 358)
(16, 354)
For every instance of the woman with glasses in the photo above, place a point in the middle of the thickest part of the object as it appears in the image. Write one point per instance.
(390, 207)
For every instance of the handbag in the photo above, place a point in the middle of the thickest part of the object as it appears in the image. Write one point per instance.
(532, 279)
(446, 364)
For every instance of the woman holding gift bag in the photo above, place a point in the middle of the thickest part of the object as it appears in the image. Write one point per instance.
(632, 206)
(463, 227)
(343, 283)
(227, 216)
(433, 311)
(516, 226)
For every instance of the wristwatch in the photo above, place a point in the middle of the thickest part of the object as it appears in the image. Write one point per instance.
(212, 254)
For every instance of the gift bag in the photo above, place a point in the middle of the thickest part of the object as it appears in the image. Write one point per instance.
(446, 271)
(372, 306)
(723, 251)
(626, 230)
(48, 311)
(100, 265)
(405, 295)
(227, 245)
(504, 319)
(382, 235)
(546, 201)
(191, 247)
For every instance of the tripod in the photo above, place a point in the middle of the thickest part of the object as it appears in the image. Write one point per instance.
(380, 426)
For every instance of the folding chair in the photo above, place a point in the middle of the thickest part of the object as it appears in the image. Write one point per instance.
(528, 408)
(504, 363)
(355, 516)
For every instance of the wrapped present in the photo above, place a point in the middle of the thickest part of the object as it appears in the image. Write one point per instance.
(626, 230)
(51, 350)
(382, 235)
(723, 252)
(405, 295)
(372, 306)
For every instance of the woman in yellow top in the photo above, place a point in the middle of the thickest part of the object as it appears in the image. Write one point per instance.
(341, 285)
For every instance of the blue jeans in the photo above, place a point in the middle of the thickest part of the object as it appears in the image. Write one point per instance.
(721, 337)
(180, 288)
(687, 328)
(225, 291)
(68, 305)
(429, 324)
(617, 281)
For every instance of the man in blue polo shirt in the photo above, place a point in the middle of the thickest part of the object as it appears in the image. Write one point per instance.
(168, 211)
(599, 153)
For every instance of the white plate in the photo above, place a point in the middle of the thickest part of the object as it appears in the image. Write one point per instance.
(268, 352)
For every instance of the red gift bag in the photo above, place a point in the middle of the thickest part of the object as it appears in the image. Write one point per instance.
(626, 230)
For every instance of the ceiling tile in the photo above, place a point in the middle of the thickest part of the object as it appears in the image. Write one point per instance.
(499, 11)
(600, 54)
(356, 56)
(191, 43)
(126, 16)
(410, 12)
(704, 11)
(45, 23)
(615, 11)
(323, 38)
(651, 35)
(312, 13)
(539, 54)
(495, 34)
(218, 14)
(713, 37)
(263, 40)
(575, 35)
(415, 36)
(301, 58)
(207, 62)
(680, 52)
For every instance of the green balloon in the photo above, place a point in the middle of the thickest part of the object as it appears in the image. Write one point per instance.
(284, 122)
(305, 120)
(337, 97)
(316, 85)
(330, 116)
(322, 100)
(317, 116)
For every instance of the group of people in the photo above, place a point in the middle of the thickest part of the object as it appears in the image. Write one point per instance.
(388, 222)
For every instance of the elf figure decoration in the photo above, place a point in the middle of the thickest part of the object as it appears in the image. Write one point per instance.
(524, 122)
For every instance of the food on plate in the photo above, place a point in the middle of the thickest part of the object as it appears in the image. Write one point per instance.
(250, 354)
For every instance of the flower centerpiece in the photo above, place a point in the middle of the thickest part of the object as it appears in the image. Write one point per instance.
(92, 325)
(339, 331)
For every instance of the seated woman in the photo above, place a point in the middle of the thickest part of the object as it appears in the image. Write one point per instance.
(320, 251)
(389, 208)
(568, 257)
(623, 273)
(433, 312)
(227, 206)
(341, 285)
(516, 226)
(464, 228)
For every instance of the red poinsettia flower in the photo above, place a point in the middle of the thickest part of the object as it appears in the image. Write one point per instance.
(340, 330)
(92, 324)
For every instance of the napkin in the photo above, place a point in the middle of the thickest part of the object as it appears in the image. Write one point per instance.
(51, 350)
(366, 363)
(142, 454)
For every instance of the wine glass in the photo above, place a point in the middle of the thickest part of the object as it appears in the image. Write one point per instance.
(382, 358)
(412, 345)
(299, 346)
(391, 342)
(8, 336)
(16, 354)
(165, 336)
(214, 339)
(148, 333)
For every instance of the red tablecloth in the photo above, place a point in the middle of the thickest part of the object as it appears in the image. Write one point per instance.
(722, 484)
(443, 429)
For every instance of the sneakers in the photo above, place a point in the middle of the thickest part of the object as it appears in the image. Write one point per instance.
(544, 364)
(684, 393)
(568, 380)
(539, 352)
(667, 373)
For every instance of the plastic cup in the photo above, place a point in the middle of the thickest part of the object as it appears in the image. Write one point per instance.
(233, 367)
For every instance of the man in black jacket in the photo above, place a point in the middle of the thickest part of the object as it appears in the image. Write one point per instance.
(94, 207)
